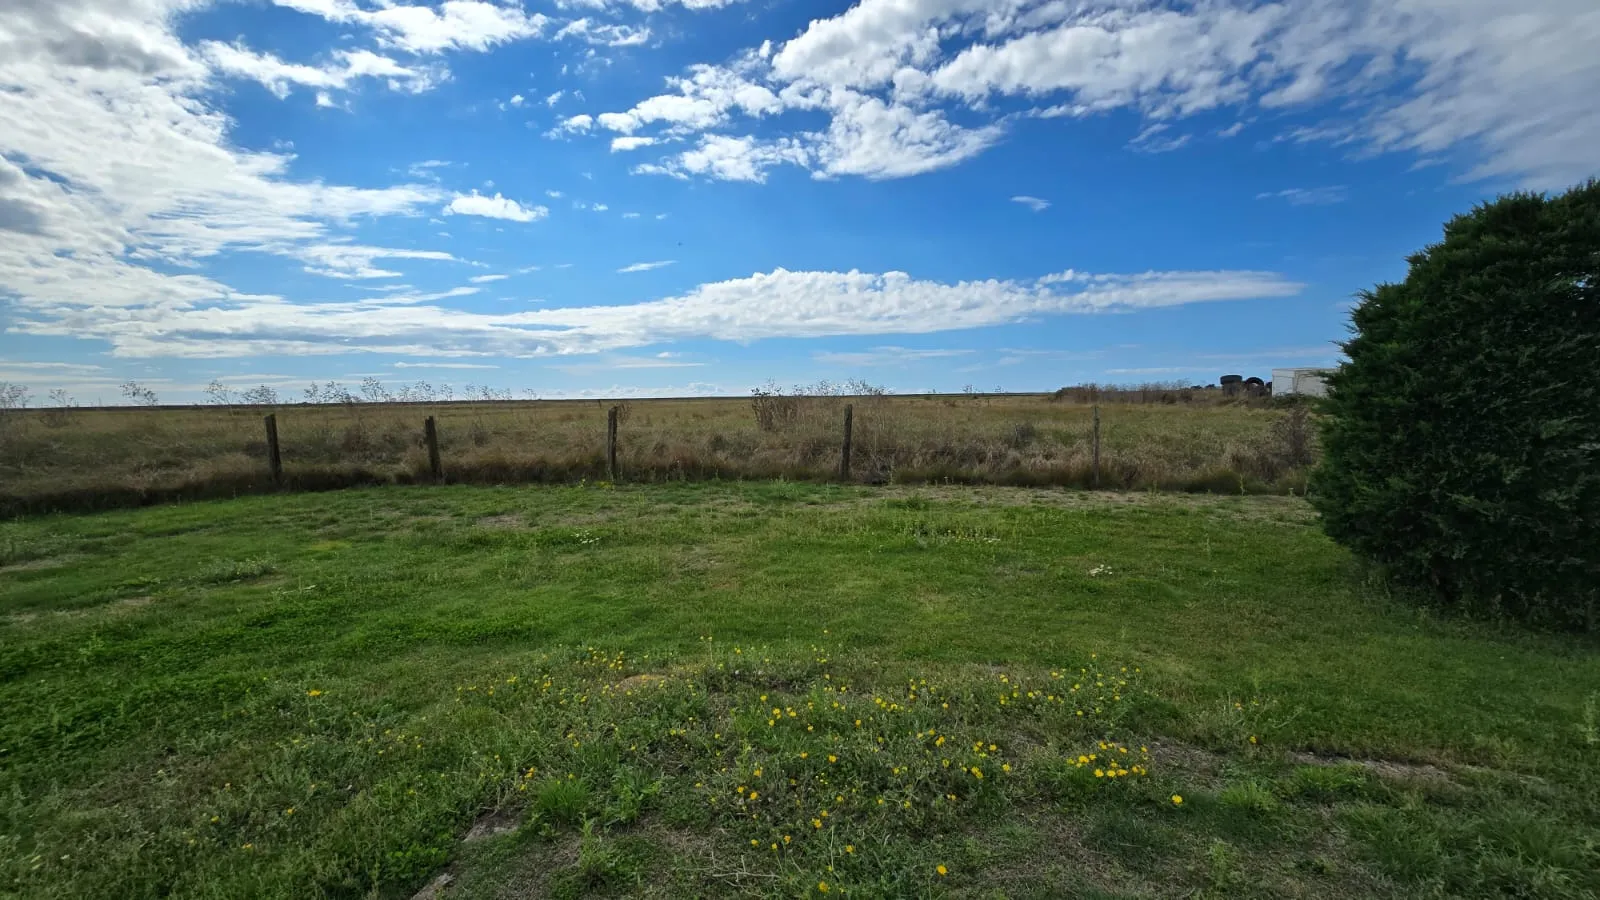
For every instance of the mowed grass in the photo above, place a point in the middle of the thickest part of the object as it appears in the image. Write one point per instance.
(767, 690)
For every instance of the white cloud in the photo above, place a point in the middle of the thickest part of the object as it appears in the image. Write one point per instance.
(554, 98)
(554, 195)
(600, 207)
(1034, 203)
(647, 266)
(426, 168)
(133, 181)
(452, 25)
(486, 279)
(704, 98)
(630, 215)
(496, 207)
(776, 304)
(730, 159)
(623, 144)
(604, 34)
(355, 261)
(438, 365)
(578, 123)
(517, 100)
(883, 356)
(1154, 139)
(908, 86)
(1321, 196)
(279, 77)
(611, 362)
(650, 6)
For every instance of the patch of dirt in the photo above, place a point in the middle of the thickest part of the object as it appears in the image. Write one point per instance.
(528, 876)
(34, 565)
(635, 682)
(1383, 768)
(492, 824)
(435, 888)
(1199, 765)
(115, 607)
(1255, 506)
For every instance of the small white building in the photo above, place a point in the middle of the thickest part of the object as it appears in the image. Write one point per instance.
(1306, 382)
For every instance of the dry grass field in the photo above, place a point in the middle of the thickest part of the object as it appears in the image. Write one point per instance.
(82, 459)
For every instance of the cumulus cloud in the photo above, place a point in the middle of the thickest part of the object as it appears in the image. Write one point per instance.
(132, 181)
(452, 25)
(496, 207)
(603, 33)
(908, 86)
(347, 66)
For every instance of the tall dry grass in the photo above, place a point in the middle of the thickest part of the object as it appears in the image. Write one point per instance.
(50, 460)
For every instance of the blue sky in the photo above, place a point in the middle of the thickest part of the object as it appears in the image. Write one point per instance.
(656, 197)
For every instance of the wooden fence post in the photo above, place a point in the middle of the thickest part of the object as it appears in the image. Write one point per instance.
(274, 458)
(430, 433)
(1097, 446)
(611, 444)
(844, 457)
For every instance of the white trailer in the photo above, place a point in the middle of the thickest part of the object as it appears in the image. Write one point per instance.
(1305, 382)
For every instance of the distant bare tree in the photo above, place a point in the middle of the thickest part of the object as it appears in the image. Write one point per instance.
(138, 393)
(334, 392)
(218, 393)
(60, 412)
(259, 396)
(421, 392)
(446, 393)
(14, 396)
(374, 391)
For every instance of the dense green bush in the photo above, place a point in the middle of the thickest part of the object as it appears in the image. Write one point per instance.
(1462, 439)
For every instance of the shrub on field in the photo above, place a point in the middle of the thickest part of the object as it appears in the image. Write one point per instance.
(1462, 441)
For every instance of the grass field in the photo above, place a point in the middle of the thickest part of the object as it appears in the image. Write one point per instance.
(766, 689)
(53, 459)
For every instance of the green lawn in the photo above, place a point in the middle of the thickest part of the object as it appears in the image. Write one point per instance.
(766, 689)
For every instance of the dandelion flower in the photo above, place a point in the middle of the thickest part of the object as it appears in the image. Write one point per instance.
(822, 886)
(849, 848)
(941, 870)
(313, 693)
(1177, 799)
